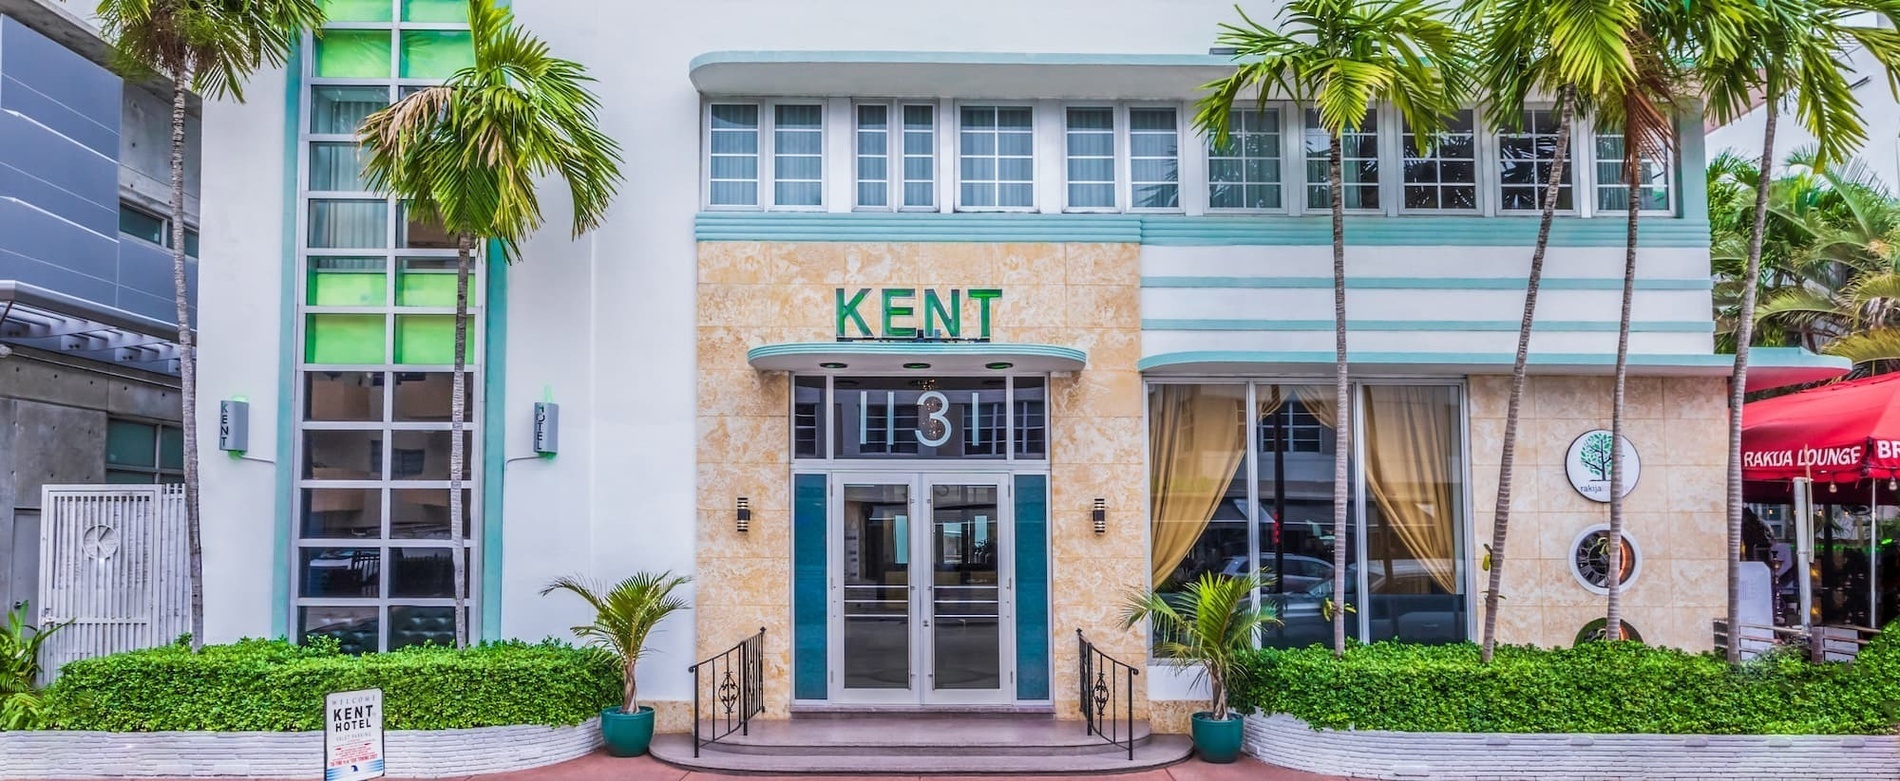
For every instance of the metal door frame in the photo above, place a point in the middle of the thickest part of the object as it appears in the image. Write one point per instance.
(1005, 691)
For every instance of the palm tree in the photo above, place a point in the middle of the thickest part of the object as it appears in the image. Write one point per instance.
(1580, 52)
(1791, 52)
(467, 153)
(1344, 57)
(1643, 111)
(625, 614)
(210, 47)
(1208, 624)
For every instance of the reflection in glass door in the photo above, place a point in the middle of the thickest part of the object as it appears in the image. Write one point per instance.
(968, 600)
(876, 608)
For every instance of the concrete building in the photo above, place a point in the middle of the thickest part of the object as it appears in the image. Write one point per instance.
(88, 359)
(975, 327)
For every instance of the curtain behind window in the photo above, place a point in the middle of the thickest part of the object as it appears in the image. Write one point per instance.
(1198, 437)
(1411, 446)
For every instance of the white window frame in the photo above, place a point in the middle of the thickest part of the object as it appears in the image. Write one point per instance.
(1126, 158)
(892, 139)
(1292, 173)
(1383, 157)
(1576, 169)
(1479, 162)
(1672, 179)
(768, 153)
(1036, 154)
(895, 156)
(1118, 155)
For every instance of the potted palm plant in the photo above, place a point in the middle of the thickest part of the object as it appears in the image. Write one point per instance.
(1207, 625)
(624, 615)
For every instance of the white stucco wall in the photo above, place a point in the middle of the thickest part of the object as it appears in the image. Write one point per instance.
(1879, 112)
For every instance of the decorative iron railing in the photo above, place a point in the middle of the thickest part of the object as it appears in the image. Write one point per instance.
(731, 687)
(1108, 696)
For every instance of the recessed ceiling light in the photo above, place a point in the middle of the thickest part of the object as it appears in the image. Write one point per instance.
(916, 366)
(999, 365)
(831, 365)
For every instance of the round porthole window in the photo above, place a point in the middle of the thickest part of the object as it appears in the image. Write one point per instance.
(1590, 559)
(1593, 631)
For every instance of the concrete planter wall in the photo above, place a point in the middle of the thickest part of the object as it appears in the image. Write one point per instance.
(1287, 741)
(410, 754)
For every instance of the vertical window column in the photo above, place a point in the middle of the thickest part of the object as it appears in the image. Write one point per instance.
(997, 157)
(1244, 173)
(1613, 192)
(373, 567)
(734, 155)
(798, 155)
(1443, 178)
(1524, 160)
(1091, 163)
(1154, 159)
(873, 156)
(920, 157)
(1358, 163)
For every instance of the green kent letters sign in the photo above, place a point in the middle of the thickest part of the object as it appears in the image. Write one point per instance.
(905, 313)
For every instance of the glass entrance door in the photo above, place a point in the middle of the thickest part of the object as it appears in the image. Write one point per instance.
(922, 598)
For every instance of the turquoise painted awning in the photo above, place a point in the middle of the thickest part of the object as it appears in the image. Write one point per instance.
(991, 75)
(1768, 367)
(901, 357)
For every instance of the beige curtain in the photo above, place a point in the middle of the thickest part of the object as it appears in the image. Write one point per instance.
(1197, 437)
(1409, 446)
(1320, 402)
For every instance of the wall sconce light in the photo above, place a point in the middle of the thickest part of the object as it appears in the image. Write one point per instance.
(1893, 484)
(1100, 515)
(1833, 487)
(745, 515)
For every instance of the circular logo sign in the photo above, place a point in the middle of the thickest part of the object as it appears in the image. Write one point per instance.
(1588, 465)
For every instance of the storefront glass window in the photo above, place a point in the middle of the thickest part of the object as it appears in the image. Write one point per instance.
(906, 418)
(372, 450)
(1222, 509)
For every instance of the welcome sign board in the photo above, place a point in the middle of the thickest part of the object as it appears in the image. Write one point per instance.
(353, 735)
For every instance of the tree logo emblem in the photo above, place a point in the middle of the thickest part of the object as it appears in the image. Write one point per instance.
(1588, 465)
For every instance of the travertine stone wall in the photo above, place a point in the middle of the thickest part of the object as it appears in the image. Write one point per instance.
(1076, 295)
(1675, 514)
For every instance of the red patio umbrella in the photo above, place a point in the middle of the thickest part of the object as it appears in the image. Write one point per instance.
(1841, 433)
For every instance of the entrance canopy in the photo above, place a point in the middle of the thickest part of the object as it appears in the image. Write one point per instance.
(943, 358)
(1840, 433)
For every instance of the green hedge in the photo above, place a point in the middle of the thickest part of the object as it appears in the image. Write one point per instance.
(1622, 687)
(259, 685)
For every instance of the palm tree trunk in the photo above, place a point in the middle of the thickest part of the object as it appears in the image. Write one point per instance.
(458, 412)
(1501, 518)
(1738, 381)
(1613, 616)
(630, 692)
(1342, 440)
(187, 360)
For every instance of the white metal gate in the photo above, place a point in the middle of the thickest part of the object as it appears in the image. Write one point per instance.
(114, 562)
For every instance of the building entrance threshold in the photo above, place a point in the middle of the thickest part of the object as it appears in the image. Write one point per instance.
(924, 743)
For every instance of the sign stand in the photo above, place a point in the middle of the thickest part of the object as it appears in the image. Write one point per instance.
(353, 735)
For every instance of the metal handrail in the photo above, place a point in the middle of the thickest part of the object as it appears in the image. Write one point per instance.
(1108, 696)
(734, 691)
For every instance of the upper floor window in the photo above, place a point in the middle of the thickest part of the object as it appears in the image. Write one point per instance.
(1445, 177)
(996, 157)
(144, 453)
(1154, 160)
(1525, 157)
(733, 162)
(144, 226)
(874, 155)
(896, 156)
(1244, 173)
(1091, 164)
(798, 149)
(1358, 163)
(1613, 192)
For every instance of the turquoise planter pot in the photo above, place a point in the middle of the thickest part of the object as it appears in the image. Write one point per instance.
(626, 734)
(1217, 740)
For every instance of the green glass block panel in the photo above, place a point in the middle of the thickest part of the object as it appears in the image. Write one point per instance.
(435, 54)
(454, 11)
(357, 10)
(431, 282)
(353, 54)
(131, 444)
(344, 339)
(346, 282)
(426, 339)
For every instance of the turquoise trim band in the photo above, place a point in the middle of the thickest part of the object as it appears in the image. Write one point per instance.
(919, 349)
(786, 57)
(494, 435)
(1181, 230)
(1570, 326)
(280, 617)
(1418, 283)
(1761, 358)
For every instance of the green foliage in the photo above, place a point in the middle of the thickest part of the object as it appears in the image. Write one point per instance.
(271, 686)
(1620, 687)
(21, 706)
(213, 44)
(625, 614)
(1209, 624)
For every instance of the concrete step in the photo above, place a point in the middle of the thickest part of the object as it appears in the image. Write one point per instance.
(1159, 751)
(916, 744)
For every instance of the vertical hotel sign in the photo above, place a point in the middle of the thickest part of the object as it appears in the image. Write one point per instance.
(353, 735)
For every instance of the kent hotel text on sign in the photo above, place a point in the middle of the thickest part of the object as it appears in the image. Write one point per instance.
(904, 313)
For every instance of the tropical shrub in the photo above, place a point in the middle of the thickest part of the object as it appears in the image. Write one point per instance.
(275, 686)
(1620, 687)
(21, 706)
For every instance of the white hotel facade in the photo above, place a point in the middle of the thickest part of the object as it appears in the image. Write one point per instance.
(1122, 333)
